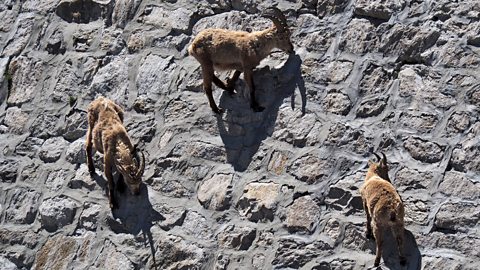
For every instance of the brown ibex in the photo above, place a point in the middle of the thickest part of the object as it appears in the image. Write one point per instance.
(240, 51)
(108, 135)
(383, 206)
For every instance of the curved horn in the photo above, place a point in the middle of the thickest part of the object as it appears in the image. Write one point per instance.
(277, 17)
(141, 167)
(384, 158)
(377, 156)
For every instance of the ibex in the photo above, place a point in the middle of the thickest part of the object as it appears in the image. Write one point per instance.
(108, 135)
(383, 206)
(240, 51)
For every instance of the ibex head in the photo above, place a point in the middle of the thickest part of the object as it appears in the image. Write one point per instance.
(132, 171)
(380, 167)
(283, 33)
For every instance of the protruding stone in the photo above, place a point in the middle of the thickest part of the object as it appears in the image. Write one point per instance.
(303, 215)
(459, 216)
(89, 216)
(52, 149)
(57, 212)
(424, 150)
(22, 205)
(8, 170)
(214, 193)
(57, 253)
(240, 238)
(259, 201)
(311, 169)
(337, 102)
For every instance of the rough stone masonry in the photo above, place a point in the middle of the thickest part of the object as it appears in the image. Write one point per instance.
(244, 190)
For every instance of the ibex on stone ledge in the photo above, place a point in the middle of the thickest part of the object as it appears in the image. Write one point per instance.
(384, 207)
(109, 136)
(240, 51)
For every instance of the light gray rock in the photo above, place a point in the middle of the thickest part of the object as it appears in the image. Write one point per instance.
(75, 127)
(52, 149)
(458, 185)
(420, 121)
(7, 264)
(382, 10)
(111, 79)
(459, 216)
(293, 253)
(21, 36)
(337, 102)
(124, 11)
(8, 170)
(15, 120)
(295, 128)
(21, 205)
(303, 215)
(375, 80)
(464, 157)
(372, 107)
(89, 216)
(311, 169)
(76, 153)
(173, 252)
(411, 179)
(82, 179)
(196, 225)
(155, 75)
(330, 7)
(423, 150)
(56, 180)
(45, 126)
(338, 71)
(214, 193)
(259, 201)
(359, 37)
(26, 74)
(57, 212)
(113, 258)
(240, 238)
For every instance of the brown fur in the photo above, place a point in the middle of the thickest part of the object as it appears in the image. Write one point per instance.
(241, 51)
(383, 206)
(109, 137)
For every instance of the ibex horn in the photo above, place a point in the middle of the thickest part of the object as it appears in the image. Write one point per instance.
(141, 166)
(377, 156)
(277, 17)
(384, 159)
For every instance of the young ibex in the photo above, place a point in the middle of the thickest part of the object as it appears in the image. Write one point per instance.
(240, 51)
(108, 135)
(383, 206)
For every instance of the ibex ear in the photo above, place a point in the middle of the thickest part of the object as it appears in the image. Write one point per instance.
(370, 163)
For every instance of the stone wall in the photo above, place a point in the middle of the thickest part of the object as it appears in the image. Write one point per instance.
(271, 190)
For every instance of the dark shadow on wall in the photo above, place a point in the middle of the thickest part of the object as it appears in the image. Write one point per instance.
(136, 215)
(390, 252)
(241, 129)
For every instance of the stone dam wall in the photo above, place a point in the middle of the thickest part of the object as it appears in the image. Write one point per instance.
(272, 190)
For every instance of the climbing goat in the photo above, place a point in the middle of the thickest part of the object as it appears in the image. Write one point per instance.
(240, 51)
(108, 135)
(383, 206)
